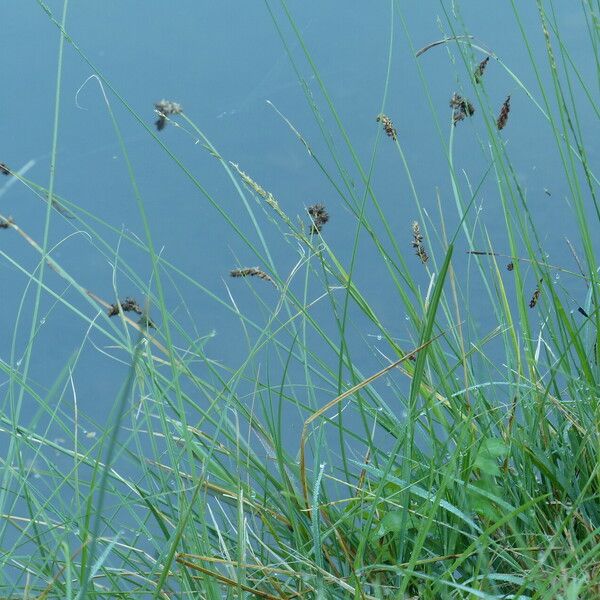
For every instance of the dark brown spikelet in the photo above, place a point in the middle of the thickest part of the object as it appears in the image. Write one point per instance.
(536, 295)
(127, 305)
(503, 117)
(462, 104)
(4, 169)
(510, 266)
(166, 108)
(6, 223)
(462, 108)
(478, 74)
(251, 272)
(61, 209)
(417, 243)
(319, 216)
(388, 126)
(457, 116)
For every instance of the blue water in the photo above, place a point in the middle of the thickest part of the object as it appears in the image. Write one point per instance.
(222, 61)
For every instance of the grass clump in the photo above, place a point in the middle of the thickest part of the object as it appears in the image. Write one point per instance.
(439, 458)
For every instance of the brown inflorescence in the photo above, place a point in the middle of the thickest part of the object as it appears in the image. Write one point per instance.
(417, 243)
(478, 74)
(127, 305)
(462, 108)
(510, 266)
(388, 126)
(4, 169)
(503, 117)
(6, 223)
(165, 108)
(319, 217)
(536, 295)
(251, 272)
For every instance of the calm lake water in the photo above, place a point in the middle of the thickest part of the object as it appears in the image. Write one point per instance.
(222, 61)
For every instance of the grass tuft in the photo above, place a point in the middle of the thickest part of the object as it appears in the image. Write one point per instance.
(396, 428)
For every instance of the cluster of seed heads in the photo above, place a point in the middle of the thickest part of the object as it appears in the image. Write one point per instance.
(131, 305)
(166, 108)
(127, 305)
(388, 126)
(319, 217)
(417, 243)
(462, 108)
(251, 272)
(4, 169)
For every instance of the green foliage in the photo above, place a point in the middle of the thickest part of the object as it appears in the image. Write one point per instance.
(467, 466)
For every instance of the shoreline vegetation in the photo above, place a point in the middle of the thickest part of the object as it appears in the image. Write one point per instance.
(466, 466)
